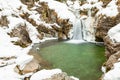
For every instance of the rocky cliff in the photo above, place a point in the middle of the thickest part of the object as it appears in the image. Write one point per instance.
(107, 30)
(112, 44)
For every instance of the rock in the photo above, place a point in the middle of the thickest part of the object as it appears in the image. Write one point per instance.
(32, 66)
(104, 24)
(105, 2)
(110, 46)
(118, 2)
(4, 21)
(54, 74)
(22, 34)
(50, 16)
(112, 52)
(30, 20)
(60, 76)
(29, 3)
(110, 62)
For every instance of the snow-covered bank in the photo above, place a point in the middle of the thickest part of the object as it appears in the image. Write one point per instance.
(114, 72)
(14, 58)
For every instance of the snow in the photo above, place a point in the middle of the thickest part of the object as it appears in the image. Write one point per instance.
(8, 73)
(86, 6)
(33, 33)
(113, 74)
(103, 69)
(22, 60)
(61, 9)
(110, 10)
(8, 49)
(74, 78)
(14, 22)
(92, 1)
(44, 74)
(114, 33)
(76, 5)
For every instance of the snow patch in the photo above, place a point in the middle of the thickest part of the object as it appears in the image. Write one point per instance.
(114, 33)
(43, 74)
(113, 74)
(110, 10)
(61, 9)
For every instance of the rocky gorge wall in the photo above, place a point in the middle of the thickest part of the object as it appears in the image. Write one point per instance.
(38, 21)
(105, 31)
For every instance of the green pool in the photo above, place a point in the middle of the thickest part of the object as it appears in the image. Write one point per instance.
(80, 60)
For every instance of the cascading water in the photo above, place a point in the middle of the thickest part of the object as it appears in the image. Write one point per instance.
(77, 27)
(83, 29)
(83, 25)
(77, 30)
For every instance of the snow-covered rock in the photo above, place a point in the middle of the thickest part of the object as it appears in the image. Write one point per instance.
(54, 74)
(114, 33)
(112, 43)
(44, 74)
(113, 74)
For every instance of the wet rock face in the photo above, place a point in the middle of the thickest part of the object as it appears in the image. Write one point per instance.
(22, 34)
(4, 21)
(104, 24)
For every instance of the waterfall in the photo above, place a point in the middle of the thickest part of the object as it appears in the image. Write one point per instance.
(83, 29)
(77, 26)
(83, 25)
(77, 30)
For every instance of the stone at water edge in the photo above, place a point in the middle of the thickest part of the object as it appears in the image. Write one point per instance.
(54, 74)
(32, 66)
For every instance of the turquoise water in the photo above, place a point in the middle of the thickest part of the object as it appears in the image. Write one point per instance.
(80, 60)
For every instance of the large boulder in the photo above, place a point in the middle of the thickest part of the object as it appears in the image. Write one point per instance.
(32, 66)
